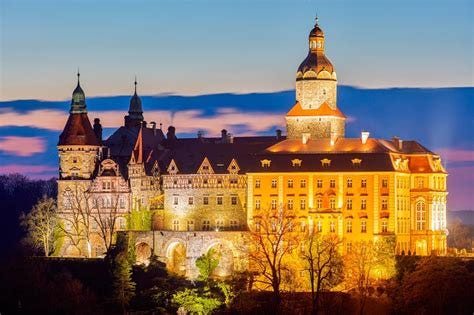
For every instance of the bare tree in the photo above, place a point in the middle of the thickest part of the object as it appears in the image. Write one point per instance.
(323, 263)
(105, 212)
(367, 263)
(77, 218)
(41, 225)
(273, 241)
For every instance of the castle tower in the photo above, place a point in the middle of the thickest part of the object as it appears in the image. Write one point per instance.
(78, 146)
(135, 111)
(315, 113)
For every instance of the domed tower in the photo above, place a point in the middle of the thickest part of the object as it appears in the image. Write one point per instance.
(78, 146)
(315, 113)
(135, 111)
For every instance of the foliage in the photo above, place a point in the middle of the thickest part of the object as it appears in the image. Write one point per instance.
(140, 220)
(196, 302)
(206, 265)
(323, 263)
(41, 224)
(123, 286)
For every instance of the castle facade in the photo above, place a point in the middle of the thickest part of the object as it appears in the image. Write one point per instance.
(179, 198)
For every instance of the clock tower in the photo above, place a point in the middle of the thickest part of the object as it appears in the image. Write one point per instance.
(315, 113)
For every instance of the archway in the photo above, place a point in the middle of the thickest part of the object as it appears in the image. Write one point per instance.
(225, 268)
(143, 253)
(176, 255)
(421, 248)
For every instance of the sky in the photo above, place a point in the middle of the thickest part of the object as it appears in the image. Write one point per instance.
(209, 46)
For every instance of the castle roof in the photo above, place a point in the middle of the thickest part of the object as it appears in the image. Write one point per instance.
(78, 131)
(323, 110)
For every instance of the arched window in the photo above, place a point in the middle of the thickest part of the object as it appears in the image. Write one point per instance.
(420, 215)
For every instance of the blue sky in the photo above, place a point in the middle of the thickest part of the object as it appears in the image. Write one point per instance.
(207, 46)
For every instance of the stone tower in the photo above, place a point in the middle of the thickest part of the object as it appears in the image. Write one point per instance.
(78, 145)
(315, 114)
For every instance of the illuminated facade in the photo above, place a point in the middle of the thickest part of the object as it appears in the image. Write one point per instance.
(201, 193)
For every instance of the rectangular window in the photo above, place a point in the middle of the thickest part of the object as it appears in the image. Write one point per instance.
(175, 225)
(349, 204)
(290, 183)
(363, 204)
(190, 201)
(233, 224)
(274, 183)
(302, 204)
(332, 226)
(384, 226)
(363, 227)
(303, 183)
(332, 183)
(332, 203)
(190, 225)
(274, 204)
(384, 204)
(206, 225)
(319, 227)
(219, 200)
(319, 203)
(205, 200)
(257, 204)
(349, 183)
(219, 224)
(233, 200)
(363, 183)
(348, 247)
(349, 226)
(290, 204)
(175, 200)
(257, 183)
(122, 203)
(384, 183)
(319, 183)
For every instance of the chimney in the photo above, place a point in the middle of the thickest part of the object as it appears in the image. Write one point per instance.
(171, 134)
(364, 135)
(278, 134)
(333, 138)
(200, 134)
(230, 138)
(397, 142)
(305, 137)
(224, 136)
(153, 125)
(98, 129)
(144, 124)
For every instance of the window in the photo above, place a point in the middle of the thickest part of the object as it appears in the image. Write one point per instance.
(349, 226)
(384, 204)
(205, 181)
(219, 181)
(419, 182)
(290, 204)
(349, 183)
(384, 226)
(332, 226)
(74, 160)
(257, 204)
(363, 204)
(290, 183)
(363, 183)
(190, 200)
(420, 215)
(175, 200)
(219, 200)
(332, 183)
(274, 204)
(122, 202)
(206, 225)
(303, 183)
(349, 204)
(274, 183)
(190, 225)
(363, 227)
(175, 225)
(122, 223)
(319, 183)
(233, 224)
(348, 247)
(257, 183)
(332, 203)
(319, 203)
(233, 200)
(302, 204)
(205, 200)
(319, 227)
(234, 181)
(219, 224)
(384, 183)
(189, 182)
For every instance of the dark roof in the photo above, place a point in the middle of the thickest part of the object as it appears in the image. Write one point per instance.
(316, 31)
(317, 62)
(78, 131)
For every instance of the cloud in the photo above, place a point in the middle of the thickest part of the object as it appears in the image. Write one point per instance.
(26, 169)
(460, 182)
(22, 146)
(456, 155)
(185, 121)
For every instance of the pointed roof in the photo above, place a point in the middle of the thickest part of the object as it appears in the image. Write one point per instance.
(135, 110)
(323, 110)
(78, 131)
(78, 101)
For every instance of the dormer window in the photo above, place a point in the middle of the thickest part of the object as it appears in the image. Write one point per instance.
(326, 162)
(296, 162)
(265, 163)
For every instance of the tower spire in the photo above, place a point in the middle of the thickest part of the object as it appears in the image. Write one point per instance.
(135, 84)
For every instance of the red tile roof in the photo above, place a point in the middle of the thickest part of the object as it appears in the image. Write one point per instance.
(323, 110)
(78, 131)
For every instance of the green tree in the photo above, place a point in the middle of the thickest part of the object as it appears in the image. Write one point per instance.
(124, 287)
(195, 302)
(206, 265)
(41, 224)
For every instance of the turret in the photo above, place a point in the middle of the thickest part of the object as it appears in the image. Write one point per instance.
(135, 111)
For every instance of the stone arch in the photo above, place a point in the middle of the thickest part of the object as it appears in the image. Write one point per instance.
(227, 257)
(176, 257)
(142, 253)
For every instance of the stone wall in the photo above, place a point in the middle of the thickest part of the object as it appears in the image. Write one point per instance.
(317, 126)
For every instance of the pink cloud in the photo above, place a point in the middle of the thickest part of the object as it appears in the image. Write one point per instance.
(22, 146)
(455, 155)
(26, 169)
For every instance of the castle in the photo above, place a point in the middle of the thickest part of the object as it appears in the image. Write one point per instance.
(181, 197)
